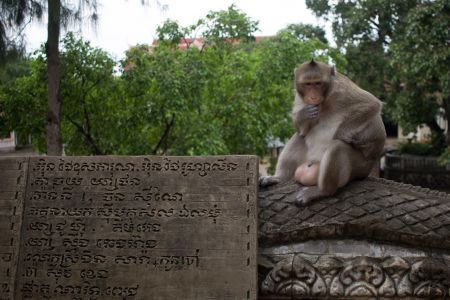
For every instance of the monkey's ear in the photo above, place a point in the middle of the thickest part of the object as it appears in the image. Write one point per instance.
(333, 70)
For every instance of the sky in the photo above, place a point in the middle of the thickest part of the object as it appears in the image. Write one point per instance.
(126, 23)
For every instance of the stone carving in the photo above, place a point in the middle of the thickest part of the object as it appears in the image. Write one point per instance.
(371, 209)
(357, 277)
(373, 239)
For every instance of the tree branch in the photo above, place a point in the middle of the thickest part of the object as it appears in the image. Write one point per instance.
(164, 135)
(87, 136)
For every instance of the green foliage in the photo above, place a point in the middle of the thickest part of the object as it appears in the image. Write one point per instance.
(228, 24)
(438, 143)
(224, 98)
(364, 30)
(415, 148)
(423, 50)
(435, 147)
(88, 88)
(421, 57)
(23, 103)
(305, 32)
(87, 74)
(12, 69)
(444, 159)
(214, 100)
(424, 149)
(170, 33)
(399, 51)
(368, 66)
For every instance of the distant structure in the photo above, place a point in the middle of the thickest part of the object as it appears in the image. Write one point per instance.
(11, 145)
(8, 143)
(186, 43)
(199, 43)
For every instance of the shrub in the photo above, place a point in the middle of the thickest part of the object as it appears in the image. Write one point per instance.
(415, 148)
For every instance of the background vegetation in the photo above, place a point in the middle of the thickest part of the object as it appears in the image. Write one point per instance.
(227, 97)
(234, 95)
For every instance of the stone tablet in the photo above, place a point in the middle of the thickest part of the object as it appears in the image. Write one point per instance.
(131, 228)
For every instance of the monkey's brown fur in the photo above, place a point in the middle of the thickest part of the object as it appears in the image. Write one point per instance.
(345, 139)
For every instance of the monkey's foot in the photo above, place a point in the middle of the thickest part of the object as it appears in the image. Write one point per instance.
(268, 181)
(308, 194)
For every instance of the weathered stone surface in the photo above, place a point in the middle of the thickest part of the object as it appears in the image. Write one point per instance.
(375, 209)
(129, 228)
(12, 187)
(374, 239)
(316, 277)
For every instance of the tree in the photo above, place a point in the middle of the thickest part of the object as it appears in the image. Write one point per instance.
(228, 26)
(399, 51)
(22, 102)
(53, 126)
(421, 56)
(192, 96)
(365, 29)
(92, 99)
(60, 14)
(229, 97)
(13, 69)
(306, 31)
(247, 92)
(14, 16)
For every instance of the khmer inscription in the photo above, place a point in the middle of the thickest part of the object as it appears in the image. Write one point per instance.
(134, 228)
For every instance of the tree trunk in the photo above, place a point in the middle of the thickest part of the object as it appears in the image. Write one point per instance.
(54, 140)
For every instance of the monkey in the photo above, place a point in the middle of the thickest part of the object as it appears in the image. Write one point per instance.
(339, 133)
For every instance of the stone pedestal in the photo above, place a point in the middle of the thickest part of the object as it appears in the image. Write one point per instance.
(373, 239)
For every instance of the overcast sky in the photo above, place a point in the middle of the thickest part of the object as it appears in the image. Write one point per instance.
(125, 23)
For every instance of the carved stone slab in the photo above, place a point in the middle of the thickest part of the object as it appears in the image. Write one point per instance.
(138, 228)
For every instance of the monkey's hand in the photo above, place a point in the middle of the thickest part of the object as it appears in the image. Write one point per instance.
(306, 118)
(313, 110)
(265, 181)
(308, 194)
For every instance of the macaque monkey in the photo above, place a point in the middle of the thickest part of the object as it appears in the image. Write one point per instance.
(339, 133)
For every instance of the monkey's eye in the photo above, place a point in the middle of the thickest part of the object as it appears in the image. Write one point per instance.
(314, 84)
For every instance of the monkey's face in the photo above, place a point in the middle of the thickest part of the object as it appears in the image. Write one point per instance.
(312, 81)
(312, 92)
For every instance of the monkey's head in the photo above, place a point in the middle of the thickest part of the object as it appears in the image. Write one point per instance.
(313, 80)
